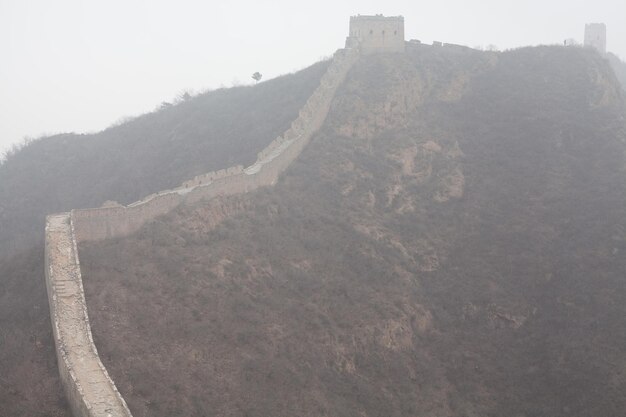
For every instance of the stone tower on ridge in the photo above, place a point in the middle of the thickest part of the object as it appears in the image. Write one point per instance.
(373, 34)
(595, 36)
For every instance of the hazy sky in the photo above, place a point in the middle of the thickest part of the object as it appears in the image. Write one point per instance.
(80, 65)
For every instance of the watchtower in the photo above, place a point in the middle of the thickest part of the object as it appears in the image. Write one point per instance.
(595, 36)
(374, 34)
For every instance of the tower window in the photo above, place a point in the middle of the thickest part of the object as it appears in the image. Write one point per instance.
(395, 32)
(371, 31)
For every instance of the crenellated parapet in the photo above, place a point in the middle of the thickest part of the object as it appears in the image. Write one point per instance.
(212, 176)
(89, 389)
(595, 36)
(376, 34)
(115, 221)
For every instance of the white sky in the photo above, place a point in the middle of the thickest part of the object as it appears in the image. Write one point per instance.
(80, 65)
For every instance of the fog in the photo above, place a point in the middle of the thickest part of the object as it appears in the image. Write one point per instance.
(76, 66)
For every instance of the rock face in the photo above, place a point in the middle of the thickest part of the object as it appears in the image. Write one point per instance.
(450, 243)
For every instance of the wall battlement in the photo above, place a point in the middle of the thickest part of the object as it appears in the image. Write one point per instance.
(89, 389)
(595, 36)
(117, 221)
(376, 34)
(212, 176)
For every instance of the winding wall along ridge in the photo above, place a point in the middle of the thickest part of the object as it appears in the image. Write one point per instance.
(88, 387)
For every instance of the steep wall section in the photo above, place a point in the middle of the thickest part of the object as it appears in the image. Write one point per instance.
(110, 222)
(89, 389)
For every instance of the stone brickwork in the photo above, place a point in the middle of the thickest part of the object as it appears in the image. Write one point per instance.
(595, 36)
(376, 34)
(116, 221)
(211, 176)
(88, 387)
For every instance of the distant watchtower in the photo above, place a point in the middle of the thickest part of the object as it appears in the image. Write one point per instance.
(595, 36)
(374, 34)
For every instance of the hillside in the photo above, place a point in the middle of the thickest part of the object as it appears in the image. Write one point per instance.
(619, 67)
(451, 243)
(153, 152)
(123, 163)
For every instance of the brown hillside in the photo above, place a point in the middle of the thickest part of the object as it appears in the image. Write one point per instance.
(126, 162)
(450, 244)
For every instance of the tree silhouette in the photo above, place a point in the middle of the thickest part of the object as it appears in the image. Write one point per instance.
(257, 76)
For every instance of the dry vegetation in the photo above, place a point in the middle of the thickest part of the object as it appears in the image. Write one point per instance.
(450, 244)
(123, 163)
(153, 152)
(619, 67)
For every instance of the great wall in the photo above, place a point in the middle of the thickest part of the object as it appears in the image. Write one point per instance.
(115, 220)
(89, 389)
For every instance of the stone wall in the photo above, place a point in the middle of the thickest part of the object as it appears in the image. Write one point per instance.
(375, 34)
(89, 389)
(595, 36)
(117, 221)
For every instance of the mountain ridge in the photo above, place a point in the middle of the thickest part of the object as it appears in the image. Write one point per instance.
(30, 379)
(413, 260)
(23, 361)
(153, 152)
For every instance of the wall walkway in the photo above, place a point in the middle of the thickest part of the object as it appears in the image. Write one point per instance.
(88, 387)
